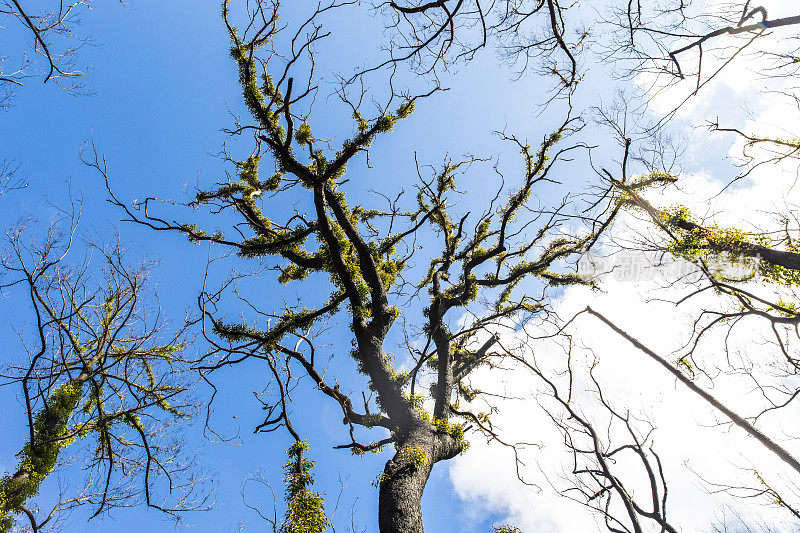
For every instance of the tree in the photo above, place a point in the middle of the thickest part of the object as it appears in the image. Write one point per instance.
(750, 265)
(363, 251)
(101, 367)
(51, 30)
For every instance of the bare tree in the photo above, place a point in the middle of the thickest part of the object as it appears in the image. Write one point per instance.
(101, 367)
(751, 268)
(51, 30)
(597, 480)
(530, 35)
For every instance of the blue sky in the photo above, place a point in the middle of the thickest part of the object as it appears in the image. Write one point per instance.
(162, 85)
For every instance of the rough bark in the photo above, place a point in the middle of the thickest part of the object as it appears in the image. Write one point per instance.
(405, 475)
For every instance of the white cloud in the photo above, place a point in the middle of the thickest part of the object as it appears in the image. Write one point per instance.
(688, 437)
(685, 436)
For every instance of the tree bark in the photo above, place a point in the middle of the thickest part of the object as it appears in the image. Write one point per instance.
(405, 475)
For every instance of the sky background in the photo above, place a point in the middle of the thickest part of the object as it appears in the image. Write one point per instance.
(162, 89)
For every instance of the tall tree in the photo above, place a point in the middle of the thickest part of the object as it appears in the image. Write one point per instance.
(362, 250)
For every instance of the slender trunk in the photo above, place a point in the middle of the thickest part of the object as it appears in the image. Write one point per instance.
(405, 475)
(742, 423)
(38, 458)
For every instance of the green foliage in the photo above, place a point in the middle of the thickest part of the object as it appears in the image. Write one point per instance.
(289, 321)
(291, 273)
(254, 96)
(400, 378)
(732, 244)
(361, 122)
(467, 392)
(381, 479)
(193, 233)
(453, 429)
(778, 274)
(385, 123)
(686, 364)
(39, 457)
(405, 109)
(658, 176)
(305, 511)
(417, 455)
(440, 425)
(303, 135)
(248, 171)
(693, 242)
(790, 309)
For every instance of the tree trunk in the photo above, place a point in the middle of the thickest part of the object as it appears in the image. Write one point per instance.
(39, 456)
(405, 476)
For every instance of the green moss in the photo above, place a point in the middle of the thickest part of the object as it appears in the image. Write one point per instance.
(305, 511)
(731, 244)
(405, 110)
(385, 123)
(790, 309)
(303, 135)
(417, 455)
(684, 363)
(400, 378)
(453, 429)
(39, 457)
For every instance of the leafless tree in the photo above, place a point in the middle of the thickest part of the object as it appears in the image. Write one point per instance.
(752, 268)
(600, 445)
(51, 30)
(434, 35)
